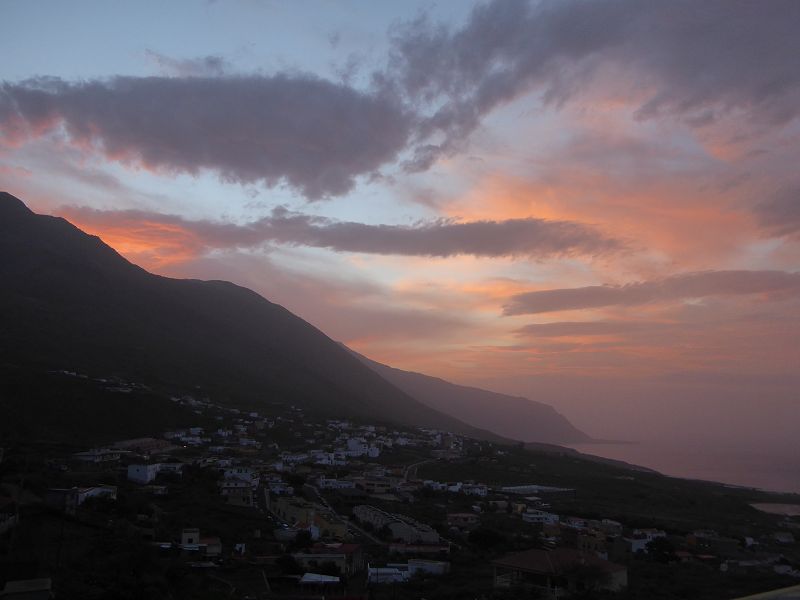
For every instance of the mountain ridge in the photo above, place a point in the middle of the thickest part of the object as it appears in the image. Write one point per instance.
(510, 416)
(69, 300)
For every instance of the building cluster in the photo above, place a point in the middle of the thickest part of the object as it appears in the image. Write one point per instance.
(400, 527)
(325, 494)
(405, 571)
(281, 467)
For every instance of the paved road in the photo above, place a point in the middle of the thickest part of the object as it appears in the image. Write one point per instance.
(366, 534)
(350, 524)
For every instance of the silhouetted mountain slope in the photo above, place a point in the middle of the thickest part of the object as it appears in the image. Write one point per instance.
(56, 408)
(510, 416)
(69, 301)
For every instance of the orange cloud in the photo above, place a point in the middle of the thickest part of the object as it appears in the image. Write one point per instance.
(150, 244)
(676, 220)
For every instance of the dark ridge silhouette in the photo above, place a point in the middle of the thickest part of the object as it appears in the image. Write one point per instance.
(69, 301)
(510, 416)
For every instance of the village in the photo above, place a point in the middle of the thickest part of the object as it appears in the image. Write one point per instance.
(285, 505)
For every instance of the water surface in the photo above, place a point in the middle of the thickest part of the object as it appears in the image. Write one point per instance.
(764, 468)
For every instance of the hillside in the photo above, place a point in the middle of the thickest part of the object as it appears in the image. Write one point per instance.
(69, 301)
(510, 416)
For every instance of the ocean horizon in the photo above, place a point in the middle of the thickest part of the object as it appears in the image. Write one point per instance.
(766, 469)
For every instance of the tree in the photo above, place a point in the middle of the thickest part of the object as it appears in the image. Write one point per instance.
(302, 540)
(329, 568)
(661, 550)
(289, 565)
(384, 533)
(295, 480)
(587, 579)
(486, 538)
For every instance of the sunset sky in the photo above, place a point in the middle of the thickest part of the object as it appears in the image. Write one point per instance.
(595, 204)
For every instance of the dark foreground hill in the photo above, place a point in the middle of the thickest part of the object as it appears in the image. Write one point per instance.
(510, 416)
(69, 301)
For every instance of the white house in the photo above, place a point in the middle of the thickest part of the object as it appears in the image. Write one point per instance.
(294, 458)
(190, 536)
(387, 574)
(360, 447)
(335, 484)
(338, 459)
(575, 522)
(237, 492)
(641, 537)
(637, 544)
(191, 440)
(142, 473)
(357, 447)
(402, 527)
(245, 474)
(98, 456)
(649, 534)
(174, 467)
(540, 517)
(97, 491)
(474, 489)
(435, 485)
(280, 488)
(402, 572)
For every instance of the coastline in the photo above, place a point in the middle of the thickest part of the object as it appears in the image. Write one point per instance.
(768, 471)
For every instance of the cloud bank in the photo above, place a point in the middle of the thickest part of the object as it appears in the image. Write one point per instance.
(530, 237)
(695, 61)
(587, 328)
(678, 287)
(698, 62)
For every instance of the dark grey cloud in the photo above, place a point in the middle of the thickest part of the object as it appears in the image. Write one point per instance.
(693, 60)
(315, 135)
(513, 237)
(685, 286)
(696, 61)
(780, 215)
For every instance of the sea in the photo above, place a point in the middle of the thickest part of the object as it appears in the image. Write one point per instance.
(766, 469)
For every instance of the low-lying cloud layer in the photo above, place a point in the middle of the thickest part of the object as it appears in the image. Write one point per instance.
(536, 238)
(677, 287)
(587, 328)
